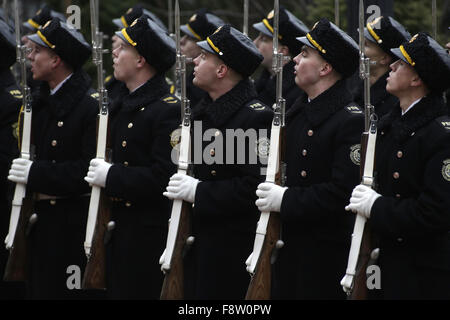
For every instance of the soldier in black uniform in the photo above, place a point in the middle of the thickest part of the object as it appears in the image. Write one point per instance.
(224, 213)
(289, 28)
(410, 211)
(63, 134)
(11, 100)
(141, 128)
(117, 88)
(382, 34)
(323, 134)
(200, 25)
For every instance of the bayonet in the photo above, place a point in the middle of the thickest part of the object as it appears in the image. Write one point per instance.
(245, 25)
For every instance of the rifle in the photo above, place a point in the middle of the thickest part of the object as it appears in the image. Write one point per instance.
(99, 206)
(267, 239)
(178, 237)
(354, 282)
(21, 219)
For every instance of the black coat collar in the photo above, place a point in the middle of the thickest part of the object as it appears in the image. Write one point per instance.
(221, 110)
(427, 109)
(154, 89)
(66, 98)
(323, 106)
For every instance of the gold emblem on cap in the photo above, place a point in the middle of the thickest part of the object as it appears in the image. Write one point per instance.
(129, 10)
(134, 22)
(414, 38)
(46, 24)
(270, 15)
(193, 17)
(315, 24)
(39, 12)
(218, 29)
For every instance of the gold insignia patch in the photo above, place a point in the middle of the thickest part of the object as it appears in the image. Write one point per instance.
(175, 139)
(355, 154)
(263, 147)
(354, 109)
(270, 15)
(16, 94)
(257, 106)
(170, 100)
(446, 170)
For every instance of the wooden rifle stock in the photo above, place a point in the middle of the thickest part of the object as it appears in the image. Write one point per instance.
(173, 285)
(94, 275)
(17, 267)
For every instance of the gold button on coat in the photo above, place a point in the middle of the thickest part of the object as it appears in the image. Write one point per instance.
(303, 173)
(213, 172)
(212, 152)
(130, 125)
(54, 143)
(124, 144)
(399, 154)
(304, 152)
(310, 133)
(396, 175)
(60, 124)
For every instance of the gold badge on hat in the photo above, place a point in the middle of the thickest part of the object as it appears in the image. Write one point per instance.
(46, 24)
(129, 10)
(270, 15)
(134, 22)
(446, 170)
(355, 154)
(414, 38)
(193, 17)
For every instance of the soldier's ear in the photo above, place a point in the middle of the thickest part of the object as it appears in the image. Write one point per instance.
(325, 69)
(140, 61)
(222, 70)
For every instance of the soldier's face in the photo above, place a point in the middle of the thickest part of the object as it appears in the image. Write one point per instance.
(43, 61)
(400, 78)
(189, 47)
(205, 70)
(125, 59)
(308, 65)
(265, 47)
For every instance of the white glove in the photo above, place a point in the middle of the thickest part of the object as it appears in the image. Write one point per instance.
(98, 171)
(182, 187)
(270, 197)
(20, 168)
(362, 200)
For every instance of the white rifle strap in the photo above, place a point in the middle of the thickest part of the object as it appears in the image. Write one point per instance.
(272, 169)
(360, 221)
(174, 222)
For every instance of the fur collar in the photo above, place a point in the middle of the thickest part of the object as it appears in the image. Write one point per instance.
(323, 106)
(427, 109)
(67, 97)
(221, 110)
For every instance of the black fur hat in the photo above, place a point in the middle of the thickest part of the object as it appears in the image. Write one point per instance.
(66, 41)
(289, 28)
(136, 12)
(202, 24)
(152, 42)
(429, 59)
(7, 45)
(234, 48)
(42, 16)
(334, 45)
(387, 33)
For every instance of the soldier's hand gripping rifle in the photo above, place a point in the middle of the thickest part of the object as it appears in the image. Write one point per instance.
(354, 282)
(178, 237)
(21, 218)
(267, 239)
(99, 207)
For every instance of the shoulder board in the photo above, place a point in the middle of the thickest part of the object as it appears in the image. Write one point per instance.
(256, 105)
(108, 78)
(444, 122)
(354, 109)
(170, 99)
(95, 95)
(15, 92)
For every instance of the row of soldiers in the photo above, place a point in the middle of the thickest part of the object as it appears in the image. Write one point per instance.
(408, 210)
